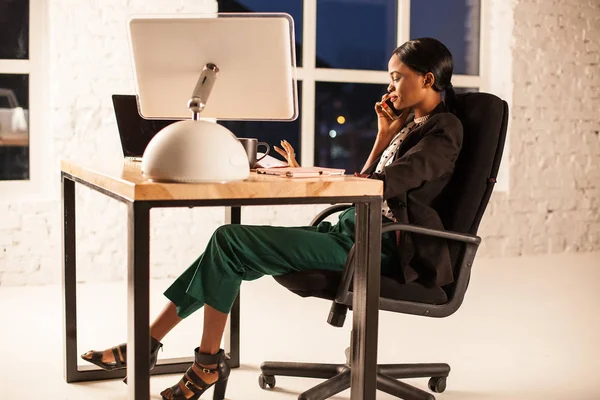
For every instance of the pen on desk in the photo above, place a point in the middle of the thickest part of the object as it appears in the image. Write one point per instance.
(302, 174)
(311, 174)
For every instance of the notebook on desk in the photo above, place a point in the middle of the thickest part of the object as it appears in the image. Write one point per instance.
(310, 172)
(269, 162)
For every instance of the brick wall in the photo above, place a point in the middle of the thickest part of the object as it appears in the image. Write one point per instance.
(553, 204)
(544, 61)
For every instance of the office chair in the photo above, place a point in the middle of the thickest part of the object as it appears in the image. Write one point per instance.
(461, 206)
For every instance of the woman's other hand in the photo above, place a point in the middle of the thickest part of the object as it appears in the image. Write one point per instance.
(386, 127)
(288, 154)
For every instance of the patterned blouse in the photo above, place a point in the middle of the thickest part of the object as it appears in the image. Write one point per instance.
(390, 152)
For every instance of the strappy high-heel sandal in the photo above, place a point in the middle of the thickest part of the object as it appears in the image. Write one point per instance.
(193, 386)
(119, 363)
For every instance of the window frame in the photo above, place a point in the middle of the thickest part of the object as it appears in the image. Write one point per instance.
(38, 183)
(310, 75)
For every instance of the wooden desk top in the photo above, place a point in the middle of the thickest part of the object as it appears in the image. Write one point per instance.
(125, 179)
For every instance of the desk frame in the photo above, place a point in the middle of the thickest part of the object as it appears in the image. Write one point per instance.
(365, 306)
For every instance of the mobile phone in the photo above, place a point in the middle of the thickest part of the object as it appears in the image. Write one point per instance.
(388, 107)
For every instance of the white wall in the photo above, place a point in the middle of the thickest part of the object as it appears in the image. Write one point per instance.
(553, 204)
(545, 65)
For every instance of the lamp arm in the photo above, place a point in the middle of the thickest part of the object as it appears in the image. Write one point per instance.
(202, 90)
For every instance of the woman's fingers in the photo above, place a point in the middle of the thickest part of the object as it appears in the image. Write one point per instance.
(285, 150)
(289, 159)
(380, 113)
(288, 147)
(291, 154)
(288, 153)
(281, 152)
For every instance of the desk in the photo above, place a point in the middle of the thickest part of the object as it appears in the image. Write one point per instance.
(124, 182)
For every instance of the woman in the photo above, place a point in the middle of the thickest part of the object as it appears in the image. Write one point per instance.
(414, 156)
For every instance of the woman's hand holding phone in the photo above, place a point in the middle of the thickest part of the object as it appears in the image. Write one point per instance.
(387, 127)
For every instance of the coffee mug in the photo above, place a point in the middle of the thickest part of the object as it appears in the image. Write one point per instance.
(251, 147)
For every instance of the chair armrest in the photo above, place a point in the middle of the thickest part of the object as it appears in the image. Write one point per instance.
(459, 237)
(471, 243)
(327, 212)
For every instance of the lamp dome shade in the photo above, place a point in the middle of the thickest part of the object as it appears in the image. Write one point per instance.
(195, 151)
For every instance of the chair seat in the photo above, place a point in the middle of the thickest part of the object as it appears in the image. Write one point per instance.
(324, 284)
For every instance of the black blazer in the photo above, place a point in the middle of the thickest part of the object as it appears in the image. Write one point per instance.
(421, 169)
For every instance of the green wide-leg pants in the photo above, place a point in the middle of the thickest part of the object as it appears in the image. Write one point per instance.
(241, 252)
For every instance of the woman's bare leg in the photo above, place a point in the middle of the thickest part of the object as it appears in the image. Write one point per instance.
(214, 326)
(212, 334)
(163, 324)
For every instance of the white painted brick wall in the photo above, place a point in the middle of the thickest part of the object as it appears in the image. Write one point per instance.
(554, 200)
(554, 160)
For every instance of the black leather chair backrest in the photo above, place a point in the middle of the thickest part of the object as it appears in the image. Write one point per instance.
(462, 203)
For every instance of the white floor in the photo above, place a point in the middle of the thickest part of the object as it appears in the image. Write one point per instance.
(529, 329)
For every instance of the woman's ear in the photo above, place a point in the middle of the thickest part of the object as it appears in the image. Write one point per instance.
(428, 80)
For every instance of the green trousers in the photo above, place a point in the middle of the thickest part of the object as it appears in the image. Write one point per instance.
(236, 253)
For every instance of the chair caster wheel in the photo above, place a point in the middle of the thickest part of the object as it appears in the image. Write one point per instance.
(437, 384)
(266, 380)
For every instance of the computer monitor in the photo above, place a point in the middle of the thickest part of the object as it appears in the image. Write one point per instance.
(254, 53)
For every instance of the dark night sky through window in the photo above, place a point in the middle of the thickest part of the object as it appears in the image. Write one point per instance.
(359, 35)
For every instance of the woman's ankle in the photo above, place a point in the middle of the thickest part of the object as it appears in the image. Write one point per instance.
(209, 350)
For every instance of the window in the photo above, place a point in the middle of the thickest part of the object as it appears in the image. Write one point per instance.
(343, 47)
(344, 123)
(24, 155)
(270, 132)
(292, 7)
(456, 24)
(14, 90)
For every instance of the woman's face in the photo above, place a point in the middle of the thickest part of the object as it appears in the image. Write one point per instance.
(406, 87)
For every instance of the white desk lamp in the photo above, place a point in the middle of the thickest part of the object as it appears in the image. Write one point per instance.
(253, 55)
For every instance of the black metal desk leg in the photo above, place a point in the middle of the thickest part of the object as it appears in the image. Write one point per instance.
(69, 280)
(366, 301)
(138, 301)
(233, 215)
